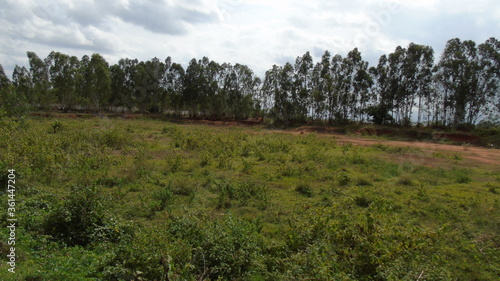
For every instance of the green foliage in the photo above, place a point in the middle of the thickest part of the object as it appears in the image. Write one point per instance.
(288, 207)
(304, 189)
(243, 194)
(344, 178)
(56, 126)
(406, 180)
(80, 219)
(164, 196)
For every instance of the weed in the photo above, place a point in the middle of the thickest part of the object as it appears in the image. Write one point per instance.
(346, 148)
(344, 179)
(175, 161)
(362, 201)
(493, 190)
(164, 196)
(247, 166)
(56, 126)
(463, 178)
(406, 181)
(304, 189)
(363, 181)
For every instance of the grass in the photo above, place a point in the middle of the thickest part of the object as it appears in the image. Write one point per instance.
(148, 199)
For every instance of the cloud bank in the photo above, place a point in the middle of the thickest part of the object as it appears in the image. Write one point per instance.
(254, 32)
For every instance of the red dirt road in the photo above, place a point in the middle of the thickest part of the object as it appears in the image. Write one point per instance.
(489, 156)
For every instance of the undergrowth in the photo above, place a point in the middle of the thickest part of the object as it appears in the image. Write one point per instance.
(150, 200)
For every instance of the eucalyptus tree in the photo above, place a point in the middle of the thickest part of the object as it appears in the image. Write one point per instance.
(95, 87)
(194, 81)
(270, 89)
(420, 62)
(278, 86)
(40, 77)
(383, 98)
(354, 84)
(123, 83)
(13, 103)
(335, 106)
(247, 85)
(283, 103)
(21, 79)
(4, 80)
(65, 77)
(173, 79)
(302, 91)
(149, 85)
(487, 101)
(458, 71)
(395, 71)
(322, 87)
(211, 71)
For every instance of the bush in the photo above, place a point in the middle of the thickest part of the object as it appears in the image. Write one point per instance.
(406, 180)
(80, 218)
(242, 193)
(344, 178)
(463, 179)
(164, 196)
(363, 181)
(305, 190)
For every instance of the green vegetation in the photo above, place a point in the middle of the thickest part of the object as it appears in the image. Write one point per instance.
(109, 199)
(458, 91)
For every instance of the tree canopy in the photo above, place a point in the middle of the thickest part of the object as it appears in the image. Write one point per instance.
(406, 86)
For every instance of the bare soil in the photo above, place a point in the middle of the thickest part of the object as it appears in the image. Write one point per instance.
(483, 155)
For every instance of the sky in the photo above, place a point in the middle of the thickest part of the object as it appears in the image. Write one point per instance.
(257, 33)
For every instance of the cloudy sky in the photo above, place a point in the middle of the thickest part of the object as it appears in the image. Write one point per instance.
(258, 33)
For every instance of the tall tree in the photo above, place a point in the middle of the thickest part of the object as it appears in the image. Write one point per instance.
(487, 102)
(96, 81)
(420, 61)
(270, 89)
(302, 92)
(194, 82)
(458, 72)
(174, 78)
(148, 81)
(65, 77)
(355, 81)
(12, 103)
(4, 80)
(40, 77)
(21, 79)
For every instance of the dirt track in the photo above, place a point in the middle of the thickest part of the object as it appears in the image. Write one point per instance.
(488, 156)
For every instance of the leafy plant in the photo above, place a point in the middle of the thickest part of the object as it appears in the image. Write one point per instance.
(304, 189)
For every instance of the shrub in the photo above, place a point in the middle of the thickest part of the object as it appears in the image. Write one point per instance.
(241, 193)
(230, 249)
(362, 181)
(344, 178)
(362, 201)
(56, 126)
(80, 218)
(462, 178)
(175, 161)
(305, 190)
(164, 196)
(112, 139)
(247, 166)
(406, 180)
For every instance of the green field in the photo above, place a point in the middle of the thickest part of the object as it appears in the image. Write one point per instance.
(110, 199)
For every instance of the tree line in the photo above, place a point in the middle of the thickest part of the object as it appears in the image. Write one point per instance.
(405, 86)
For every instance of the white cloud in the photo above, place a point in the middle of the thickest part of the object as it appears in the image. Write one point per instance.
(258, 33)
